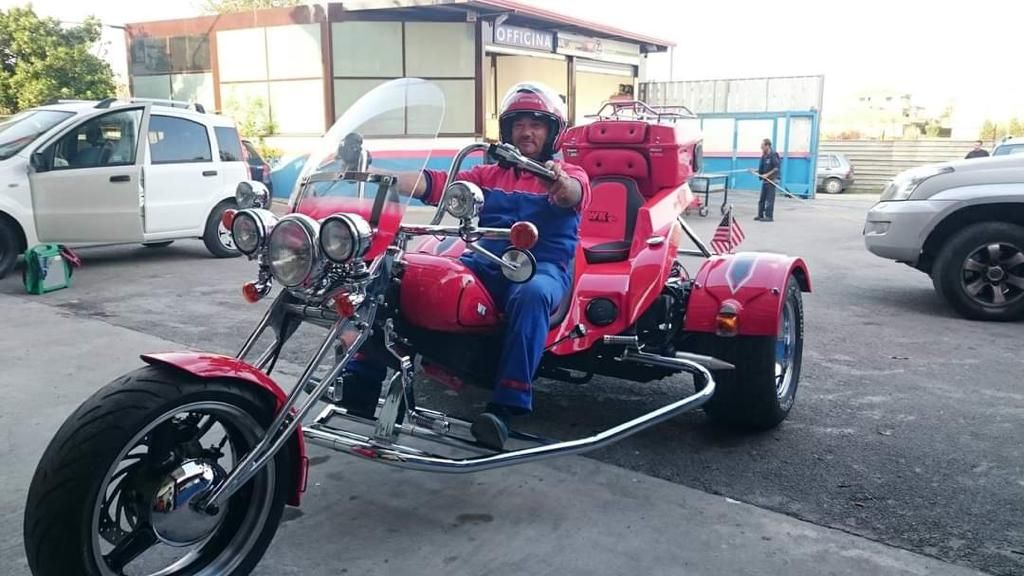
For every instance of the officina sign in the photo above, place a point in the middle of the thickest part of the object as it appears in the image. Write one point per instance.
(524, 38)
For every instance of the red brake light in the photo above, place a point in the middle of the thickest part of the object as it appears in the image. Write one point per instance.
(228, 218)
(523, 235)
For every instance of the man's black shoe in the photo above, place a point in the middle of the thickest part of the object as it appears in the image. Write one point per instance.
(490, 430)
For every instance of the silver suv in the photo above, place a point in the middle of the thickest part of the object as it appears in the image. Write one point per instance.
(962, 223)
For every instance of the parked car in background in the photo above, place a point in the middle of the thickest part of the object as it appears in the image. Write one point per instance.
(962, 223)
(1011, 145)
(834, 173)
(259, 169)
(115, 172)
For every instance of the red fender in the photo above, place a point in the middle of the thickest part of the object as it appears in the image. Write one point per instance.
(755, 281)
(211, 366)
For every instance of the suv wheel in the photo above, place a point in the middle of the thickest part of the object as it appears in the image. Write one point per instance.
(218, 238)
(980, 271)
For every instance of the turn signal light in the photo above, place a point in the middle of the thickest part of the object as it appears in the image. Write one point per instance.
(228, 218)
(343, 306)
(523, 235)
(727, 323)
(251, 293)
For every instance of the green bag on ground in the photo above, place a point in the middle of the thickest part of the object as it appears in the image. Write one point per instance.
(46, 269)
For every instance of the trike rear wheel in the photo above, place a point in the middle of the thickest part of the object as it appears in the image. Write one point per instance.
(760, 392)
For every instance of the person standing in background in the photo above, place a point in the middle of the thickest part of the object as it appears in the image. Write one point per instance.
(769, 171)
(977, 152)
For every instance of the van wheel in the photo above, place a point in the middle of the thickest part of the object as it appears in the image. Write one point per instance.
(218, 238)
(8, 248)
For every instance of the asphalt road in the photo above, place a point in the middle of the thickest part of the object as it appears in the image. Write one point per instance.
(908, 423)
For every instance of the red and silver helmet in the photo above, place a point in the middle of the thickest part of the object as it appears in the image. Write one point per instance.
(539, 101)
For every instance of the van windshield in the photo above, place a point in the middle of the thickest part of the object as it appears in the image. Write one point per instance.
(21, 129)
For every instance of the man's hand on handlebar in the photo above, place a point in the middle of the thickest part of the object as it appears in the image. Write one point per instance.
(564, 190)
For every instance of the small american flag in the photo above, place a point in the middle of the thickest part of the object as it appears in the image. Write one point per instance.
(728, 235)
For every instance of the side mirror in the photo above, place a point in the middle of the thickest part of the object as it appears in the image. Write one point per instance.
(518, 266)
(252, 194)
(38, 161)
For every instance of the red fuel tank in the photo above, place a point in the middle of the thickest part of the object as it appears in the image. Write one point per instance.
(440, 293)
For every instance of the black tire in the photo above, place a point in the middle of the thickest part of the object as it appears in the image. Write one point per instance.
(59, 514)
(747, 398)
(212, 235)
(833, 186)
(8, 247)
(954, 277)
(161, 244)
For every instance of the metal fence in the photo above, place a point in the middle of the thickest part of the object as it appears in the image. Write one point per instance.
(737, 113)
(875, 162)
(774, 94)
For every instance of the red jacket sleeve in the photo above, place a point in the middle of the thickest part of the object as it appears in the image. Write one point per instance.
(576, 171)
(437, 181)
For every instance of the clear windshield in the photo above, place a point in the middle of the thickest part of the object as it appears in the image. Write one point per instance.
(21, 129)
(373, 156)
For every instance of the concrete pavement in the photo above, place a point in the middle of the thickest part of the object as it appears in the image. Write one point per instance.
(567, 516)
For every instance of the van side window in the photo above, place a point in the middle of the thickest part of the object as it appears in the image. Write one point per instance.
(229, 143)
(107, 140)
(176, 140)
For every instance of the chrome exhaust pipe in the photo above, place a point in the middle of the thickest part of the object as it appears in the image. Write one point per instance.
(415, 459)
(680, 362)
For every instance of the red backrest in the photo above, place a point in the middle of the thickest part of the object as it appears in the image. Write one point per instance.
(617, 132)
(656, 156)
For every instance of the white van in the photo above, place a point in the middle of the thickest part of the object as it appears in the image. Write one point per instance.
(87, 173)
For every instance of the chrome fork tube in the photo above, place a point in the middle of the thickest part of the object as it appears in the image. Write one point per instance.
(260, 328)
(282, 428)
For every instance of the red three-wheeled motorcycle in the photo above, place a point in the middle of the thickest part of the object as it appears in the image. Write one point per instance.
(184, 465)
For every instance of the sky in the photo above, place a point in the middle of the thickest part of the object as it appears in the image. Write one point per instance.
(963, 53)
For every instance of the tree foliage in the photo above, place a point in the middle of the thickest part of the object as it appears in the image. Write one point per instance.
(228, 6)
(995, 131)
(41, 60)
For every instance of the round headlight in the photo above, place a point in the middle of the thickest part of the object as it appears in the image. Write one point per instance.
(250, 228)
(463, 199)
(247, 233)
(294, 250)
(252, 194)
(345, 237)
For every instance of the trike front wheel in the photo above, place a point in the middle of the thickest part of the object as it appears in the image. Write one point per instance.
(114, 488)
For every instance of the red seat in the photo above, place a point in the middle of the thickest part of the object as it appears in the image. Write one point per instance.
(607, 228)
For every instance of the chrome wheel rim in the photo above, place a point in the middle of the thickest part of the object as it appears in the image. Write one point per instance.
(993, 275)
(785, 350)
(225, 237)
(127, 549)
